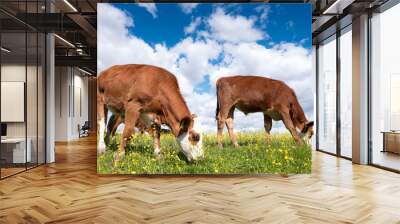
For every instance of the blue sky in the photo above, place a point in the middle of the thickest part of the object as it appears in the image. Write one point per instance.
(201, 42)
(291, 22)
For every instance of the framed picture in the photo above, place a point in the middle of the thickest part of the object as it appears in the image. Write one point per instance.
(204, 88)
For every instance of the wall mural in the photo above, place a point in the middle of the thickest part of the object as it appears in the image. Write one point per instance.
(204, 88)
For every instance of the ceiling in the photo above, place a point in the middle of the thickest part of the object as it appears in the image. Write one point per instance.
(74, 22)
(331, 15)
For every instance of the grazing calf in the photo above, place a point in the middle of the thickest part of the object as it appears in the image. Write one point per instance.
(252, 94)
(144, 92)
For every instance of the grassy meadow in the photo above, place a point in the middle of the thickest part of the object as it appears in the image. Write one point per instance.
(280, 155)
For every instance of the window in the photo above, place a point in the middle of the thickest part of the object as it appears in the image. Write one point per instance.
(327, 95)
(385, 88)
(346, 92)
(22, 88)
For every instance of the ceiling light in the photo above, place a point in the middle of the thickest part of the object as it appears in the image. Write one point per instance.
(337, 7)
(65, 41)
(331, 7)
(70, 5)
(5, 50)
(84, 71)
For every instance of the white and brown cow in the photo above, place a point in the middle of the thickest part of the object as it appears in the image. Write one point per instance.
(252, 94)
(146, 92)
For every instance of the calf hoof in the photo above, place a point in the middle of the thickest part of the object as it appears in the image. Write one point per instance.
(158, 156)
(285, 175)
(118, 156)
(236, 145)
(220, 145)
(101, 148)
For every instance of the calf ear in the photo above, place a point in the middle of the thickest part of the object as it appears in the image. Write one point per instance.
(308, 125)
(184, 125)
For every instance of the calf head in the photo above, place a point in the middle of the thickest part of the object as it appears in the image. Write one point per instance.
(190, 139)
(307, 132)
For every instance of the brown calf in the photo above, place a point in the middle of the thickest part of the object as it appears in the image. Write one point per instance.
(140, 92)
(252, 94)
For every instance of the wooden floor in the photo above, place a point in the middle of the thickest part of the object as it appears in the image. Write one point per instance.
(70, 191)
(387, 159)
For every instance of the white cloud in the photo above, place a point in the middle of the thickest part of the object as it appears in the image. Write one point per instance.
(264, 12)
(150, 7)
(196, 56)
(192, 59)
(113, 14)
(188, 7)
(225, 27)
(193, 25)
(285, 61)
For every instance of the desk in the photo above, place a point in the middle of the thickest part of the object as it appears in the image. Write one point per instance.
(15, 148)
(391, 141)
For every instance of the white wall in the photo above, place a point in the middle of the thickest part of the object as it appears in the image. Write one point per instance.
(33, 127)
(71, 94)
(61, 103)
(12, 73)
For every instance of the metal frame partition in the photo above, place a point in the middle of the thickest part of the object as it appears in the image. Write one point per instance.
(43, 54)
(382, 8)
(336, 30)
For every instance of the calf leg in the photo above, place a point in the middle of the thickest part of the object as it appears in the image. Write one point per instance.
(156, 138)
(131, 116)
(115, 127)
(101, 146)
(221, 117)
(229, 126)
(220, 126)
(290, 126)
(112, 126)
(267, 126)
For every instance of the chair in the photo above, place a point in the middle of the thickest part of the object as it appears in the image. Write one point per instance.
(84, 130)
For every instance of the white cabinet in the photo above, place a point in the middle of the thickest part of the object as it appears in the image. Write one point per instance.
(19, 155)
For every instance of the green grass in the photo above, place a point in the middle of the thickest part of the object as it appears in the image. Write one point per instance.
(280, 155)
